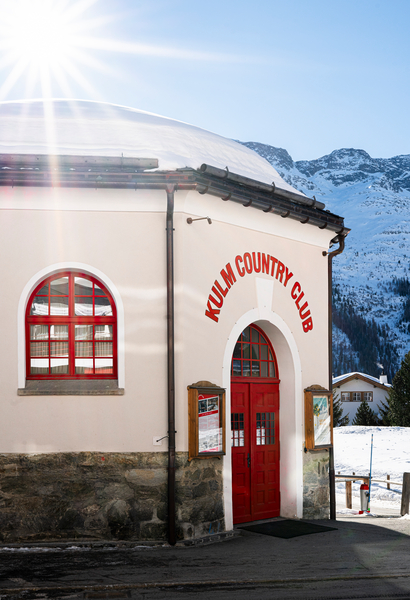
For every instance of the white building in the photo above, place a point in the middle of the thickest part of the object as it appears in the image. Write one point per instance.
(353, 388)
(141, 257)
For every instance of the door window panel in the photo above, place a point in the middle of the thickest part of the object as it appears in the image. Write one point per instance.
(252, 356)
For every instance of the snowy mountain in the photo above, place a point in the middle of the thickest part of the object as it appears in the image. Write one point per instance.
(371, 276)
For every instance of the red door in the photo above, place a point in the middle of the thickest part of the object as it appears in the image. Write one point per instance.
(255, 451)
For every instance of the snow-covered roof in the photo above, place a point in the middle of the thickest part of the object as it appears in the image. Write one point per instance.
(80, 127)
(357, 375)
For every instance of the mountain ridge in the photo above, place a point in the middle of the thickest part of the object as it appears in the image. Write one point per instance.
(373, 196)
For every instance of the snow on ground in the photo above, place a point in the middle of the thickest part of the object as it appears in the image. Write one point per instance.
(391, 455)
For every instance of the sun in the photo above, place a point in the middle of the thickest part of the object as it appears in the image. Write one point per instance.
(43, 41)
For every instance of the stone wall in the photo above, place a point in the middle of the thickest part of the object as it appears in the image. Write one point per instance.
(94, 496)
(316, 502)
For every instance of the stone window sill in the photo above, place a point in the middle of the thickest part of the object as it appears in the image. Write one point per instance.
(83, 387)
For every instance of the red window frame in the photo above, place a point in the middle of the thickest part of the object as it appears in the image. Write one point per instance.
(71, 320)
(243, 360)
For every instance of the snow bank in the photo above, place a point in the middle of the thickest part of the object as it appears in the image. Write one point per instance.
(80, 127)
(391, 455)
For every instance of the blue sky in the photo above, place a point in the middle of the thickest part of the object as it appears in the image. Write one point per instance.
(309, 76)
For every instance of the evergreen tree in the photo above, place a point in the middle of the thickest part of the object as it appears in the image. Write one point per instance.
(338, 419)
(365, 416)
(399, 396)
(384, 410)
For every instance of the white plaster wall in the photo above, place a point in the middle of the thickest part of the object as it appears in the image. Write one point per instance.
(358, 385)
(121, 235)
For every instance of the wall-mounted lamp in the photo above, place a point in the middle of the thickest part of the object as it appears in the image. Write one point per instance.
(191, 220)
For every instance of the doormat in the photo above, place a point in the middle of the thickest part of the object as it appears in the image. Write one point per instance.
(288, 528)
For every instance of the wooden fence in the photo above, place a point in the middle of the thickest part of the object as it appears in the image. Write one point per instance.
(405, 495)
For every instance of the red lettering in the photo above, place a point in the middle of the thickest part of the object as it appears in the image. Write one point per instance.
(294, 293)
(212, 299)
(265, 263)
(241, 270)
(307, 325)
(279, 271)
(248, 262)
(223, 292)
(228, 275)
(307, 313)
(274, 261)
(287, 277)
(212, 312)
(299, 299)
(256, 269)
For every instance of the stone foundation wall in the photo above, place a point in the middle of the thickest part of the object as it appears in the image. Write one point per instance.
(316, 500)
(89, 495)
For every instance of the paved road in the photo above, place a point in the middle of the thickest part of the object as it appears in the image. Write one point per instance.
(364, 558)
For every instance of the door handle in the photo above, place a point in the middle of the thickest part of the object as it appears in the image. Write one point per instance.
(249, 460)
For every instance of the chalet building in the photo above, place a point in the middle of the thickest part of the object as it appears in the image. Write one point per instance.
(165, 358)
(353, 388)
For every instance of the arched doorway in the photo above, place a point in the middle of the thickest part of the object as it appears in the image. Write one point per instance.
(254, 428)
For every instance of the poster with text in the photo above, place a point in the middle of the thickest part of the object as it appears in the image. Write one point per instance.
(209, 429)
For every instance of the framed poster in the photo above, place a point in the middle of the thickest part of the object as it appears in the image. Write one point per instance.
(318, 418)
(206, 413)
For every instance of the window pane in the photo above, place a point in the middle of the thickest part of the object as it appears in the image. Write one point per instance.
(246, 366)
(58, 306)
(271, 370)
(103, 348)
(39, 366)
(84, 332)
(104, 366)
(84, 306)
(59, 287)
(236, 368)
(43, 291)
(98, 291)
(83, 348)
(59, 366)
(255, 351)
(84, 366)
(264, 369)
(39, 349)
(264, 352)
(83, 287)
(103, 332)
(246, 335)
(59, 348)
(39, 306)
(39, 332)
(246, 350)
(255, 335)
(102, 307)
(255, 368)
(59, 332)
(237, 351)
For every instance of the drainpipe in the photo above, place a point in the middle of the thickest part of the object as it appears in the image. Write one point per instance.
(330, 255)
(171, 365)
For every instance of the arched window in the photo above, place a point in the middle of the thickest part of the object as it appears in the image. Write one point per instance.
(71, 329)
(253, 355)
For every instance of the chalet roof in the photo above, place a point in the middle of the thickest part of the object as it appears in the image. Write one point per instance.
(341, 379)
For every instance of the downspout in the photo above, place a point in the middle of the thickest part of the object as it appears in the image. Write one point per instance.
(171, 365)
(330, 255)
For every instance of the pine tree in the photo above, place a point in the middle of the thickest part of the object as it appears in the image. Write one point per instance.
(338, 419)
(365, 416)
(384, 410)
(399, 396)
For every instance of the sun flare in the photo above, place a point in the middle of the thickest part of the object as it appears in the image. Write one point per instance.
(43, 41)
